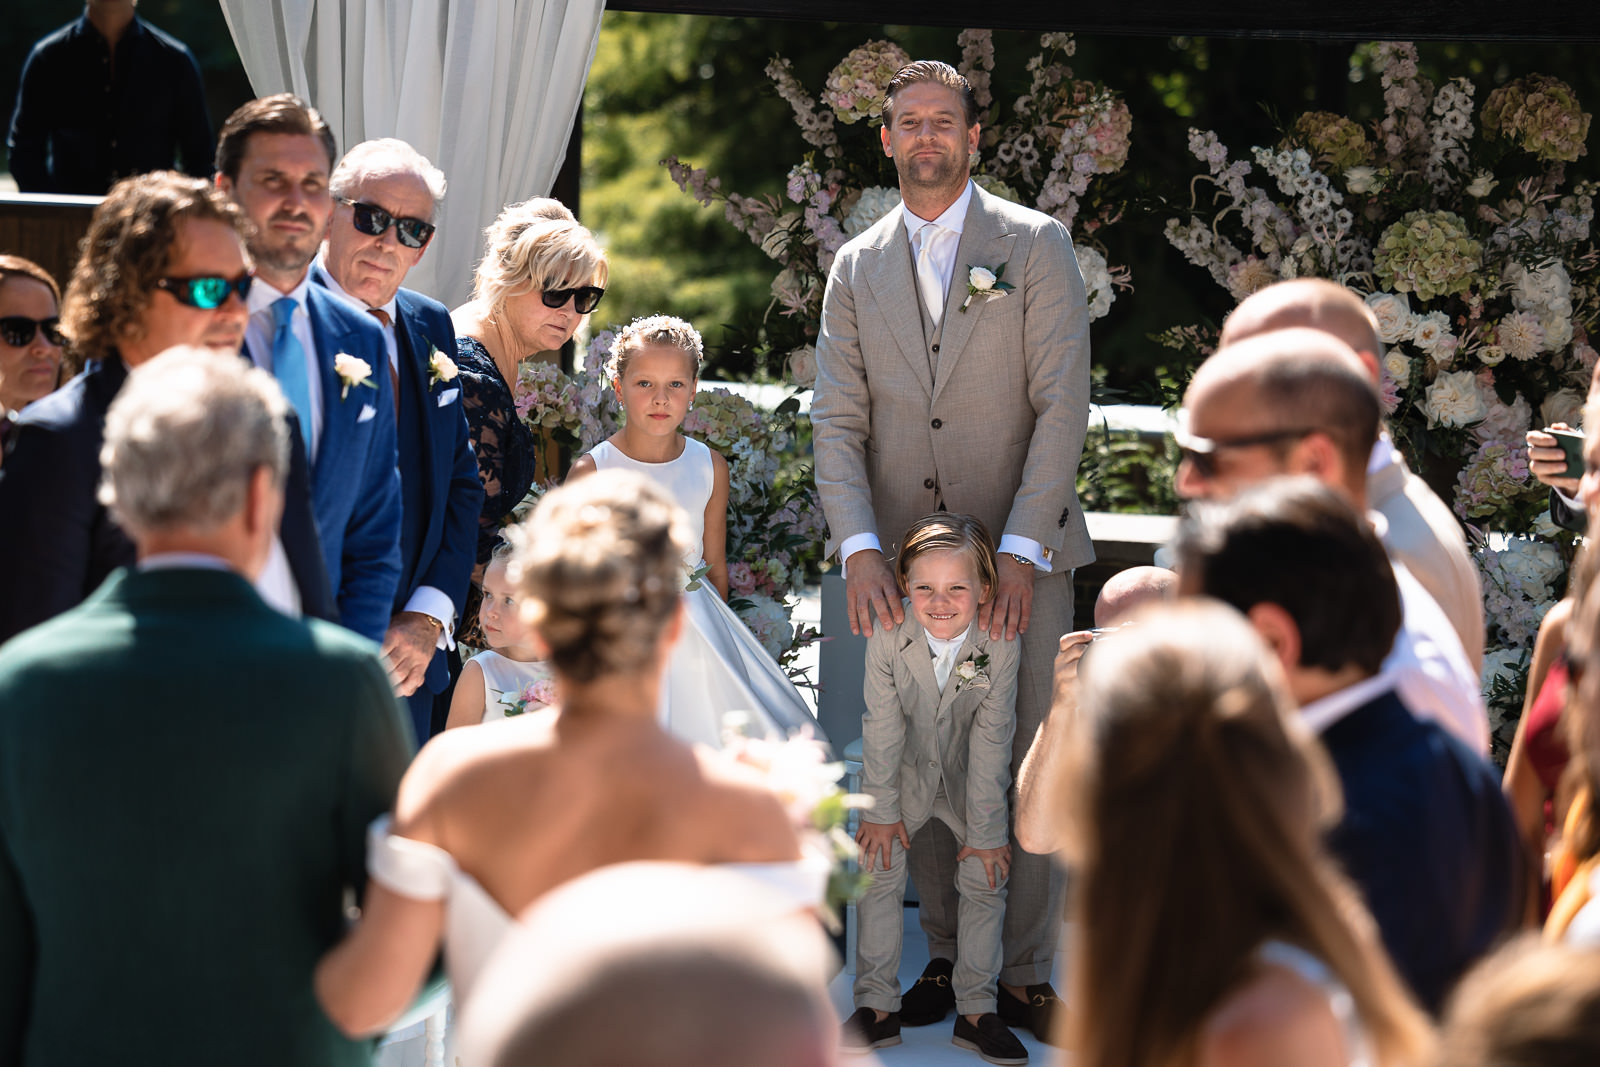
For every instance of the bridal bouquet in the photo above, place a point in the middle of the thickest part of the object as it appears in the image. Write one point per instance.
(1054, 147)
(1454, 218)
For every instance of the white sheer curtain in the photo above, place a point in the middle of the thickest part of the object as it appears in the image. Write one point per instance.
(487, 89)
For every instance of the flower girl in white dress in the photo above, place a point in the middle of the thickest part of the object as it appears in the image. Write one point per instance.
(507, 678)
(718, 667)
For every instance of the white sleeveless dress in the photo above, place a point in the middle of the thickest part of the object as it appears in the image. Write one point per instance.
(1357, 1047)
(717, 667)
(505, 679)
(476, 924)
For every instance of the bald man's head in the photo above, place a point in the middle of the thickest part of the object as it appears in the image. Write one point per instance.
(1310, 303)
(1294, 401)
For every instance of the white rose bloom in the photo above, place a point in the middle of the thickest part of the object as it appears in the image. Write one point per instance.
(1398, 364)
(1557, 333)
(1563, 405)
(1393, 312)
(1453, 400)
(1096, 281)
(981, 278)
(803, 366)
(1360, 179)
(1432, 331)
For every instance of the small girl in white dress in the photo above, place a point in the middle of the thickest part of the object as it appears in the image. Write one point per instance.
(508, 678)
(718, 666)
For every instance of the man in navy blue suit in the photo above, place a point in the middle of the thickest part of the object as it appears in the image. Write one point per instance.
(385, 195)
(163, 265)
(1426, 834)
(274, 157)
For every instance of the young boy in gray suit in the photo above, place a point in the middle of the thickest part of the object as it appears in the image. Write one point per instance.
(936, 744)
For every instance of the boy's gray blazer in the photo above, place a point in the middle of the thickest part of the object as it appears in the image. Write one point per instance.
(912, 735)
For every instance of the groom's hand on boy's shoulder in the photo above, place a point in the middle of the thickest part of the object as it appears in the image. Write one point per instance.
(1007, 612)
(870, 589)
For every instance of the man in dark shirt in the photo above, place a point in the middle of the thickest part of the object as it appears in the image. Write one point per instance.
(106, 97)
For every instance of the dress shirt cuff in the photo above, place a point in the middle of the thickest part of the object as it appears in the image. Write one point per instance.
(1575, 505)
(1016, 545)
(852, 545)
(429, 601)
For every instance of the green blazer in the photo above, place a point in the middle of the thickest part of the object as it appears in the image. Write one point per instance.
(186, 778)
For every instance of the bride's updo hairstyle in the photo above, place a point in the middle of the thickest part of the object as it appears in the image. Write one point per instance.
(599, 565)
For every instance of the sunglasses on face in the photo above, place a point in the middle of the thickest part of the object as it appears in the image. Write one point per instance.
(1202, 452)
(373, 221)
(585, 298)
(206, 291)
(19, 331)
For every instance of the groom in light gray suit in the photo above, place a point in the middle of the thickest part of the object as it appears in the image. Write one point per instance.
(939, 388)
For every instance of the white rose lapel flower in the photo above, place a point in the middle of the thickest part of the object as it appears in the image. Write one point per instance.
(441, 368)
(352, 371)
(970, 673)
(985, 282)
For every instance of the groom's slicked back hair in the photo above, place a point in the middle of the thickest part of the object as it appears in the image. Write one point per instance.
(1299, 544)
(931, 70)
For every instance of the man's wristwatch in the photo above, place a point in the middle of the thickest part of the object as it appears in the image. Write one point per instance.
(1024, 560)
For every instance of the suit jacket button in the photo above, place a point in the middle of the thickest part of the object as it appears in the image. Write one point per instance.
(937, 423)
(935, 349)
(927, 483)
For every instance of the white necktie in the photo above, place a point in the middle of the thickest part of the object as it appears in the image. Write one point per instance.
(929, 282)
(943, 661)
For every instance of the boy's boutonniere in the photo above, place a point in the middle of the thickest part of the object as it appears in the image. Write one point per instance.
(441, 368)
(970, 672)
(985, 282)
(352, 371)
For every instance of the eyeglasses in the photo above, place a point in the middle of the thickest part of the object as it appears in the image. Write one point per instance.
(206, 291)
(1201, 452)
(19, 331)
(373, 221)
(585, 298)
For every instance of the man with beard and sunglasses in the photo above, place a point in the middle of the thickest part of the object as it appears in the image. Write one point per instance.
(163, 264)
(386, 193)
(274, 158)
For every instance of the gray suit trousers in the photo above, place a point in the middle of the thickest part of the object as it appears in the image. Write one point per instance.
(880, 919)
(1037, 884)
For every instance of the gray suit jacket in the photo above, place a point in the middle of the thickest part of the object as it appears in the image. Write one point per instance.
(912, 735)
(1424, 535)
(998, 431)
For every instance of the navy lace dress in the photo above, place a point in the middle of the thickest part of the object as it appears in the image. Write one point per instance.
(505, 450)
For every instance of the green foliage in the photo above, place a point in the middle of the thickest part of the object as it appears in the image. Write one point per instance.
(1127, 472)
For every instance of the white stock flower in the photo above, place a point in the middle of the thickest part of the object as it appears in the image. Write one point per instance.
(1096, 281)
(1360, 179)
(1393, 312)
(1453, 400)
(1481, 185)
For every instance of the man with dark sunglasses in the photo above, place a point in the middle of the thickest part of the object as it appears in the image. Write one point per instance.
(385, 194)
(163, 265)
(274, 158)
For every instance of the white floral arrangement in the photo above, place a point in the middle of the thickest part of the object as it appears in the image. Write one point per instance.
(352, 371)
(1052, 148)
(1458, 226)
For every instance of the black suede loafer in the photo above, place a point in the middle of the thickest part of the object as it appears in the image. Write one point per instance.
(932, 998)
(1037, 1014)
(863, 1032)
(990, 1039)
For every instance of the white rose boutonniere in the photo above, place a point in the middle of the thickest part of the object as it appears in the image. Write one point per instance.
(352, 371)
(970, 673)
(441, 368)
(985, 282)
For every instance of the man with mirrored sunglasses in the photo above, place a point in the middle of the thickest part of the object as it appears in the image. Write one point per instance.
(385, 192)
(173, 249)
(274, 158)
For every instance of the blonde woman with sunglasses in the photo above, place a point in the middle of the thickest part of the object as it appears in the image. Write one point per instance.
(540, 275)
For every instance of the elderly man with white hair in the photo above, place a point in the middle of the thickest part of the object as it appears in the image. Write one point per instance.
(186, 774)
(385, 196)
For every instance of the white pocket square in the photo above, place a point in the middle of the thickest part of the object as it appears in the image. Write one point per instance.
(448, 396)
(367, 412)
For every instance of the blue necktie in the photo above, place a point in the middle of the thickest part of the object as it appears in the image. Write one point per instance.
(289, 365)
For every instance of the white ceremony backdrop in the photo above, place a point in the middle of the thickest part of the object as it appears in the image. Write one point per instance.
(487, 89)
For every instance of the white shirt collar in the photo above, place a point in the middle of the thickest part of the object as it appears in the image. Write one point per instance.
(263, 296)
(953, 218)
(355, 302)
(1384, 454)
(942, 647)
(166, 561)
(1321, 714)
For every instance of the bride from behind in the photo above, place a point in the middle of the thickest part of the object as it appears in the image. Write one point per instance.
(491, 818)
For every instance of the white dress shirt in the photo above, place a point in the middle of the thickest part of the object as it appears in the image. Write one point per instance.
(943, 254)
(258, 343)
(944, 655)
